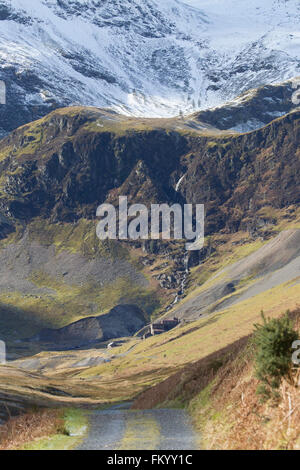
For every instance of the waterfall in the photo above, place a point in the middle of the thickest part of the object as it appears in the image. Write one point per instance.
(179, 183)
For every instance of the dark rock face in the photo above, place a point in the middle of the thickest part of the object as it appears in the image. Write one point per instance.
(83, 332)
(238, 176)
(253, 109)
(121, 321)
(76, 169)
(64, 166)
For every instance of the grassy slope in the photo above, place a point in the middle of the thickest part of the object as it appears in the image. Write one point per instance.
(141, 364)
(220, 393)
(67, 303)
(196, 340)
(45, 430)
(173, 350)
(230, 415)
(150, 361)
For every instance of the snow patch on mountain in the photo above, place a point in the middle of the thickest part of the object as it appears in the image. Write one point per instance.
(145, 57)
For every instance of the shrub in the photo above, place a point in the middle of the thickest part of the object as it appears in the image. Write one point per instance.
(273, 357)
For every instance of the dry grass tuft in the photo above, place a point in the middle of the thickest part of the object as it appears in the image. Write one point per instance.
(245, 423)
(220, 390)
(236, 419)
(28, 427)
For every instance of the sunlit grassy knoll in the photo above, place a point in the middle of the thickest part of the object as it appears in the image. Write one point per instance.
(122, 125)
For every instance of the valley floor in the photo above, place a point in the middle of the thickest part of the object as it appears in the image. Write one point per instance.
(208, 404)
(197, 366)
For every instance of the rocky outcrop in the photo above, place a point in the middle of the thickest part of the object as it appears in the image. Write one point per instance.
(253, 109)
(121, 321)
(64, 166)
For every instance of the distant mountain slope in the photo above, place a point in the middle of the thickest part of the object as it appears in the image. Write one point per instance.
(254, 108)
(273, 264)
(141, 57)
(63, 166)
(55, 172)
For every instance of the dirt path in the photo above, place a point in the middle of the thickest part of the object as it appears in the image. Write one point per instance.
(119, 429)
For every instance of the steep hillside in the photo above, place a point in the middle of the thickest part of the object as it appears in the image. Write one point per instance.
(276, 262)
(63, 166)
(254, 108)
(56, 171)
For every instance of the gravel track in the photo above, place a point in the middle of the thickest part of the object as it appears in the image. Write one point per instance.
(119, 429)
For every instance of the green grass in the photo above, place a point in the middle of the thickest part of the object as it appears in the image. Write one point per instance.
(74, 429)
(197, 340)
(79, 238)
(70, 302)
(75, 422)
(201, 400)
(32, 312)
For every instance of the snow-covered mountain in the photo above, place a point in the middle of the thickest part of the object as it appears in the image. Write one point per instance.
(142, 57)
